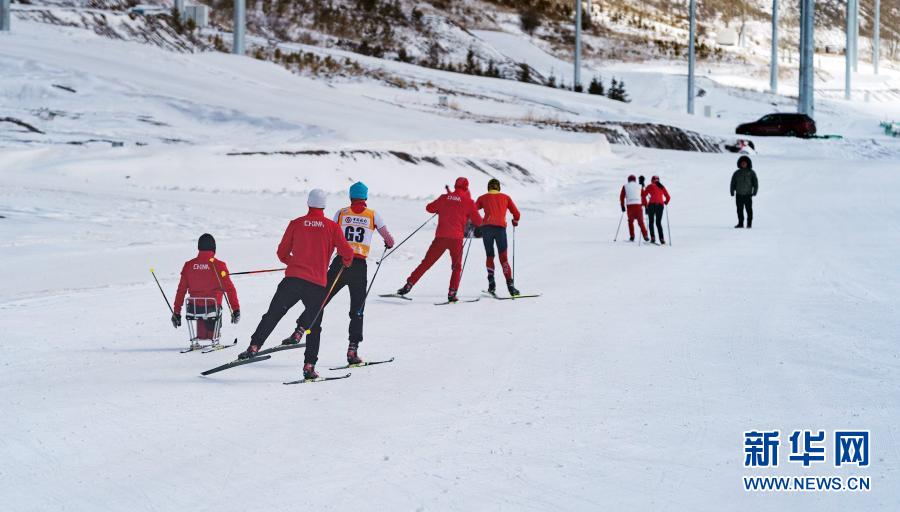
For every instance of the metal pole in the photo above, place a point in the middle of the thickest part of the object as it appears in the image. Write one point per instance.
(848, 53)
(4, 15)
(773, 79)
(876, 36)
(691, 57)
(856, 35)
(240, 22)
(577, 82)
(807, 53)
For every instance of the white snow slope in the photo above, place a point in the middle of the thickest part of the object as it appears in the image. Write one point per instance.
(627, 386)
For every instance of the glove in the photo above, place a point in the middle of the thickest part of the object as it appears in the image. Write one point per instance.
(386, 246)
(515, 222)
(347, 264)
(176, 320)
(732, 194)
(641, 180)
(623, 208)
(236, 316)
(478, 232)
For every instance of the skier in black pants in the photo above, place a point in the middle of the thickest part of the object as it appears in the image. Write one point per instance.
(358, 223)
(305, 248)
(744, 186)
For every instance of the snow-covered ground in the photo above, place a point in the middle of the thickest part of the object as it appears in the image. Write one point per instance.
(626, 386)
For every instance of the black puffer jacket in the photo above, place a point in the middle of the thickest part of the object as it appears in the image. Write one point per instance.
(743, 181)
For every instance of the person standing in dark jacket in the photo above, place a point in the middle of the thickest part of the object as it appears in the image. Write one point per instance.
(744, 186)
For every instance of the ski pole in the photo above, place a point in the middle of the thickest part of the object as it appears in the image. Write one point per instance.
(407, 238)
(212, 261)
(668, 225)
(620, 226)
(162, 292)
(514, 253)
(327, 296)
(255, 272)
(361, 309)
(469, 246)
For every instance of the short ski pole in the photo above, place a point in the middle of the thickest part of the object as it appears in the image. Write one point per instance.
(255, 272)
(212, 262)
(327, 296)
(668, 225)
(620, 226)
(161, 291)
(369, 289)
(408, 237)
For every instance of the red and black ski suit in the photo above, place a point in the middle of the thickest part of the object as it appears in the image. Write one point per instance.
(453, 209)
(493, 231)
(198, 278)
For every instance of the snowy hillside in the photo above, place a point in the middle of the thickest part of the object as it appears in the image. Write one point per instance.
(628, 385)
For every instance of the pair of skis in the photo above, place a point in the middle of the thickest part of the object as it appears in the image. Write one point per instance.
(396, 296)
(206, 349)
(325, 379)
(266, 354)
(494, 295)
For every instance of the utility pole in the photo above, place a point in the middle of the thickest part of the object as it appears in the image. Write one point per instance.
(876, 36)
(848, 53)
(577, 83)
(807, 54)
(691, 57)
(240, 23)
(855, 35)
(4, 15)
(773, 71)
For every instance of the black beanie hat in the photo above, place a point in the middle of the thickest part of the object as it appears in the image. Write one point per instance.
(745, 158)
(494, 184)
(206, 243)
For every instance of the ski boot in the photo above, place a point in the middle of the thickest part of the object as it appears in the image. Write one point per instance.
(451, 296)
(250, 352)
(309, 372)
(646, 239)
(294, 339)
(631, 239)
(492, 285)
(739, 225)
(662, 242)
(652, 240)
(513, 292)
(353, 356)
(406, 289)
(749, 223)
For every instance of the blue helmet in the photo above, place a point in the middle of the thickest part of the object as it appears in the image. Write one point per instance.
(359, 190)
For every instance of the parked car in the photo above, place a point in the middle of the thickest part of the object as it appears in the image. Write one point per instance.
(785, 125)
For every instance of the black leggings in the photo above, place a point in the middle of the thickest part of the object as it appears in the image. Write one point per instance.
(655, 213)
(355, 279)
(290, 291)
(491, 235)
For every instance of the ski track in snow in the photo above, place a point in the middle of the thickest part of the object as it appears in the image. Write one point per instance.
(626, 386)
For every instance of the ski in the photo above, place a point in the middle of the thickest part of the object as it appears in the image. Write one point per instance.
(193, 348)
(360, 365)
(394, 296)
(279, 348)
(320, 379)
(213, 348)
(495, 296)
(460, 301)
(235, 363)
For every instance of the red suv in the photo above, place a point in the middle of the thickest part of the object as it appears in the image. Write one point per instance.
(785, 125)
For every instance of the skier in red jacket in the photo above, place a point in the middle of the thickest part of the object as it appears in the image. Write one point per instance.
(199, 279)
(453, 209)
(305, 248)
(495, 205)
(631, 200)
(656, 196)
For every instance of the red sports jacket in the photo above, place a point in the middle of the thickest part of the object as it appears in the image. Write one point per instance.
(495, 204)
(198, 276)
(657, 194)
(307, 246)
(453, 210)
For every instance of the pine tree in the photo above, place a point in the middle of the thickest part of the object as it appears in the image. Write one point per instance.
(524, 73)
(596, 87)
